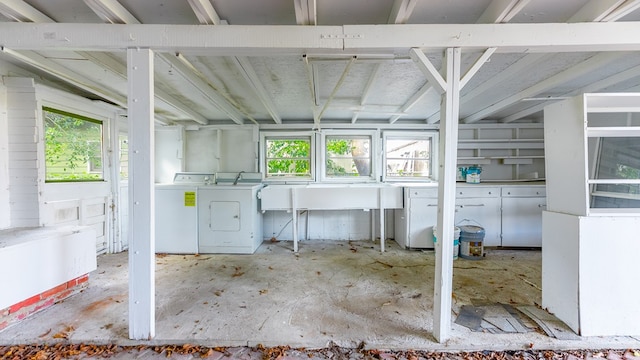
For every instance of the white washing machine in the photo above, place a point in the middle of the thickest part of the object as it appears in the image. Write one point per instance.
(177, 213)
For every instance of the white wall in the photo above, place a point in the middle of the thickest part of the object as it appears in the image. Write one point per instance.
(168, 153)
(207, 149)
(201, 148)
(24, 132)
(239, 150)
(5, 219)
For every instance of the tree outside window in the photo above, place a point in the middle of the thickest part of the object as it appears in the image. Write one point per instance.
(288, 157)
(348, 156)
(73, 147)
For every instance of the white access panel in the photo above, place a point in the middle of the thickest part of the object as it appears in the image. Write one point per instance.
(229, 219)
(176, 219)
(224, 215)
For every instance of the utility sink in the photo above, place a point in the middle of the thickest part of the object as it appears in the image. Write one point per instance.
(331, 196)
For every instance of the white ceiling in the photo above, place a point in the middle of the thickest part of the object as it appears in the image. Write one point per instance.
(382, 88)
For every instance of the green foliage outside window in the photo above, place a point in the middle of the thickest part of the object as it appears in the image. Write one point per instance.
(348, 156)
(288, 157)
(73, 147)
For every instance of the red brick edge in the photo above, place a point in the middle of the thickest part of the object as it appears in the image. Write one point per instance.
(18, 312)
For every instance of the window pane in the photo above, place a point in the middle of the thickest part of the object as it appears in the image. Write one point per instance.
(348, 156)
(618, 158)
(73, 147)
(288, 157)
(408, 158)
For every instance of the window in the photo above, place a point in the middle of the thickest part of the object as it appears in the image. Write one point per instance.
(408, 157)
(617, 172)
(288, 156)
(347, 155)
(73, 147)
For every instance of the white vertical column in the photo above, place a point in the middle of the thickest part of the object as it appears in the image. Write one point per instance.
(141, 195)
(446, 197)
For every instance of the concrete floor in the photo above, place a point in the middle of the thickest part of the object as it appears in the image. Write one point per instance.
(345, 292)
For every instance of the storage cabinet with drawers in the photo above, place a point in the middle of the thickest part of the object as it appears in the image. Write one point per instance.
(510, 214)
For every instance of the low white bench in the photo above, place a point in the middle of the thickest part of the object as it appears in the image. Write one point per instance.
(34, 260)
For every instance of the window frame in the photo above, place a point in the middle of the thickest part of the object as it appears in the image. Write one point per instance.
(81, 115)
(288, 135)
(373, 135)
(431, 135)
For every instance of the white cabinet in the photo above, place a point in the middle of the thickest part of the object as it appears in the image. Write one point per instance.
(522, 215)
(475, 204)
(510, 215)
(591, 247)
(414, 224)
(229, 219)
(480, 206)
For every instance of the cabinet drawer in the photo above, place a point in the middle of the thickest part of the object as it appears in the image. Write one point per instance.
(468, 191)
(524, 191)
(422, 192)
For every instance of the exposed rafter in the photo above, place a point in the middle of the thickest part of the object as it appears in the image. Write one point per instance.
(205, 12)
(111, 11)
(116, 67)
(20, 11)
(181, 65)
(594, 10)
(248, 72)
(305, 12)
(63, 73)
(207, 15)
(318, 116)
(623, 10)
(581, 69)
(401, 11)
(502, 11)
(425, 89)
(593, 87)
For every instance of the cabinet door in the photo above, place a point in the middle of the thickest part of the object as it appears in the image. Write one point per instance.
(422, 217)
(484, 212)
(522, 221)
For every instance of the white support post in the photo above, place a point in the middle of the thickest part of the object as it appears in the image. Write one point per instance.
(141, 195)
(450, 108)
(382, 231)
(294, 219)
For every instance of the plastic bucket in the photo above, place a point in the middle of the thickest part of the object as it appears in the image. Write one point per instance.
(473, 174)
(471, 242)
(456, 240)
